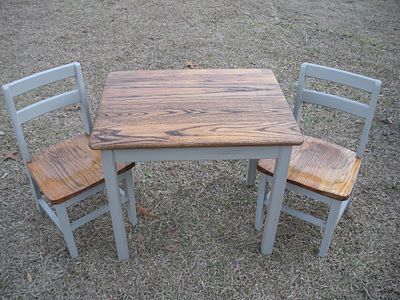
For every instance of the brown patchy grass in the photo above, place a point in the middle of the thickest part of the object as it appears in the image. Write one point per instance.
(201, 243)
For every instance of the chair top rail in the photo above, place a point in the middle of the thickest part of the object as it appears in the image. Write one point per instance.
(36, 80)
(39, 108)
(346, 78)
(335, 102)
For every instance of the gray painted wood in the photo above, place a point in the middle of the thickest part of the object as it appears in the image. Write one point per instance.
(110, 176)
(305, 217)
(195, 153)
(84, 103)
(335, 102)
(262, 185)
(50, 213)
(78, 95)
(277, 191)
(37, 109)
(48, 105)
(350, 79)
(251, 172)
(365, 111)
(23, 148)
(66, 230)
(129, 191)
(36, 80)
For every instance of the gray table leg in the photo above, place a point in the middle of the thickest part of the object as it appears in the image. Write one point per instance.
(111, 180)
(251, 172)
(277, 192)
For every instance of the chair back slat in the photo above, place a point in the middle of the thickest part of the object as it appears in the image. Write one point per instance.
(18, 87)
(34, 81)
(335, 102)
(45, 106)
(365, 111)
(354, 80)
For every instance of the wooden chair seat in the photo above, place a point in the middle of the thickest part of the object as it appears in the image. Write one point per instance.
(320, 166)
(68, 168)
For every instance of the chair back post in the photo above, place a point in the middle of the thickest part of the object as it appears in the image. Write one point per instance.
(84, 103)
(300, 86)
(23, 148)
(368, 120)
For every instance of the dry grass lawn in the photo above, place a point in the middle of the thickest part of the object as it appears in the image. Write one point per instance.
(201, 242)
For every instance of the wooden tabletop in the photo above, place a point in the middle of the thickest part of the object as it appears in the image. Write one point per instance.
(193, 108)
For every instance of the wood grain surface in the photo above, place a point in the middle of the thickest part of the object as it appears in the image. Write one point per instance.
(68, 168)
(193, 108)
(320, 166)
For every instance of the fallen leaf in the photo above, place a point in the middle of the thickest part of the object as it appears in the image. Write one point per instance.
(29, 277)
(172, 248)
(140, 237)
(10, 155)
(72, 108)
(4, 175)
(387, 120)
(190, 64)
(145, 212)
(236, 267)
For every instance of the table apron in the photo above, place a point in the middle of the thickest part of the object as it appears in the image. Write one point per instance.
(204, 153)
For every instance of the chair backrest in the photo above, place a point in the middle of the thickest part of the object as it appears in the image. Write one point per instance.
(18, 87)
(365, 111)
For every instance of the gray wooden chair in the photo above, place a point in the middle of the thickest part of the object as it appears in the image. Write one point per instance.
(318, 169)
(69, 171)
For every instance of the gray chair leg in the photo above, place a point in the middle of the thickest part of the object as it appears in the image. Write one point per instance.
(346, 210)
(267, 199)
(129, 192)
(251, 172)
(66, 230)
(262, 185)
(333, 218)
(36, 195)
